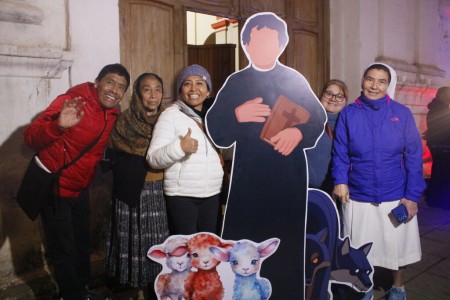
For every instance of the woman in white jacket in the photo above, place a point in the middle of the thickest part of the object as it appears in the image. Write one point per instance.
(192, 166)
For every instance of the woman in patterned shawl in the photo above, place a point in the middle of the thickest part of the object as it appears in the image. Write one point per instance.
(138, 212)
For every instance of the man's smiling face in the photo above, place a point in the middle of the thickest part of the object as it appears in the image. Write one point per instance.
(111, 89)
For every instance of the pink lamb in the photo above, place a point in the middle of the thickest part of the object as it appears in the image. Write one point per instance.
(171, 285)
(205, 284)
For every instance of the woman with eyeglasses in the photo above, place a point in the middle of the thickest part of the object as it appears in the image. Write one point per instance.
(333, 98)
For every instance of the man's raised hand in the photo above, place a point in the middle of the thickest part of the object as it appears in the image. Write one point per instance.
(71, 113)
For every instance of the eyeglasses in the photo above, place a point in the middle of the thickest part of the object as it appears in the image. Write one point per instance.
(329, 95)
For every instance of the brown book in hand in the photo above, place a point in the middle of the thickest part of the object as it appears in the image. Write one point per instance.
(284, 114)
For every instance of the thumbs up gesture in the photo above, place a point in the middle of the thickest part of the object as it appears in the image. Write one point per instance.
(188, 144)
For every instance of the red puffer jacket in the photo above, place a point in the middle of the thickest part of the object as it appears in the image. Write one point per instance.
(57, 147)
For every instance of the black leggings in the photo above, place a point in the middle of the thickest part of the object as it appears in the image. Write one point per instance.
(188, 215)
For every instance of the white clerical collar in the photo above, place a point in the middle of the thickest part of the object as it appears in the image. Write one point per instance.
(264, 70)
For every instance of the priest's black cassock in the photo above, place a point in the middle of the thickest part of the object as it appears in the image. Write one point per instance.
(268, 190)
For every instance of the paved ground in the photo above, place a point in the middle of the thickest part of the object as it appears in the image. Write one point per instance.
(426, 280)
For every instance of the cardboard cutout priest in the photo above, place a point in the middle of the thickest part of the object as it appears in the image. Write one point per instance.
(271, 115)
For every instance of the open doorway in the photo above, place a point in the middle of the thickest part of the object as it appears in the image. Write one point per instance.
(213, 42)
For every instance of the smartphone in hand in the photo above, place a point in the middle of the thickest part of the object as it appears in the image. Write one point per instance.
(400, 213)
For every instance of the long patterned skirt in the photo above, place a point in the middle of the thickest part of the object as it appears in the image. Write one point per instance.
(132, 231)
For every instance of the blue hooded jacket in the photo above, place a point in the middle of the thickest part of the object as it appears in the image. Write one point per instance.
(377, 151)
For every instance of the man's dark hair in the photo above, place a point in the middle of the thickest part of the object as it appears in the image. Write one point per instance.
(266, 20)
(378, 67)
(115, 69)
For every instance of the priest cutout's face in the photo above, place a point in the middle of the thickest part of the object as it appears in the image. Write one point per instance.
(264, 47)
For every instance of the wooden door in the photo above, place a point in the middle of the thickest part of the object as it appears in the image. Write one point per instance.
(219, 60)
(153, 34)
(149, 41)
(308, 49)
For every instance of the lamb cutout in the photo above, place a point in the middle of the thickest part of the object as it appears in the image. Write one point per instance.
(171, 285)
(205, 283)
(245, 260)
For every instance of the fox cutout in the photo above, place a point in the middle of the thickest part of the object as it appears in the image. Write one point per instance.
(347, 265)
(351, 266)
(317, 265)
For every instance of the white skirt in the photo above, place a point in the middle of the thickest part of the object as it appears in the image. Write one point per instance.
(394, 245)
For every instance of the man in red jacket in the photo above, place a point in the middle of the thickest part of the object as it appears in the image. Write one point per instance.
(80, 119)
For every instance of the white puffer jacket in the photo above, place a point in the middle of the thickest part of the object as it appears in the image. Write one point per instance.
(198, 174)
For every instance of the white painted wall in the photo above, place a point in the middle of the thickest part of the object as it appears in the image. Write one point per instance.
(33, 71)
(345, 43)
(92, 41)
(443, 48)
(397, 21)
(430, 36)
(199, 29)
(95, 37)
(411, 31)
(50, 33)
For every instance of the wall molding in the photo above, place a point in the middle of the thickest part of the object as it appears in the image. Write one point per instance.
(419, 69)
(20, 12)
(48, 63)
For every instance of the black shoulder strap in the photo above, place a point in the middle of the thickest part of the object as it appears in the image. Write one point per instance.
(84, 151)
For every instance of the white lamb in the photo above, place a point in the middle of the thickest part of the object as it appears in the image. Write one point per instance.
(245, 261)
(171, 285)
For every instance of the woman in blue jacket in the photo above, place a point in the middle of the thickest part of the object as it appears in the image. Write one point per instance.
(377, 164)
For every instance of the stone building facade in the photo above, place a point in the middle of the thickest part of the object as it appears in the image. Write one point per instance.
(47, 46)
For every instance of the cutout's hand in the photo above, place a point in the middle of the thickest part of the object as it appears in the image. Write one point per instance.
(286, 140)
(188, 144)
(341, 193)
(252, 111)
(71, 113)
